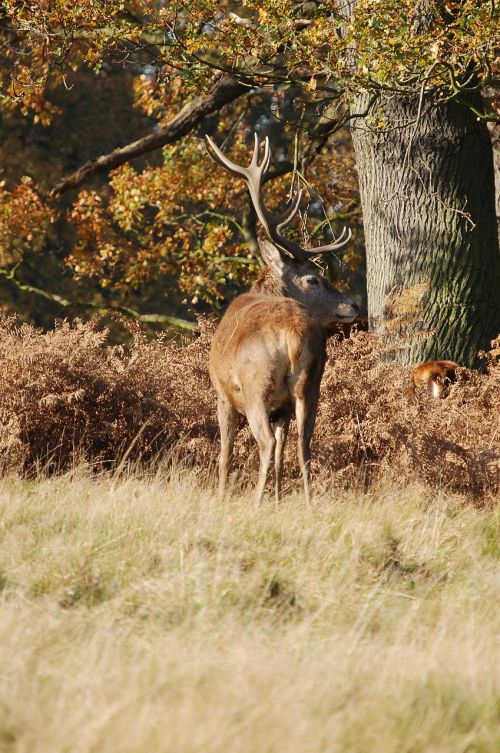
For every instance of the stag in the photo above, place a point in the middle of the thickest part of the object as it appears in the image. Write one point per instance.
(268, 353)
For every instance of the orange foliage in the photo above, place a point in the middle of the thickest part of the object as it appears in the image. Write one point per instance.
(25, 221)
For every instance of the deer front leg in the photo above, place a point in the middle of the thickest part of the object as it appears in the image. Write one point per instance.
(227, 422)
(280, 428)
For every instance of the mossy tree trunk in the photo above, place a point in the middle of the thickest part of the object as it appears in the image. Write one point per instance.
(428, 198)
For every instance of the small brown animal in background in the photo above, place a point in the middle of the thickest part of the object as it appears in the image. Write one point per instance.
(434, 376)
(268, 353)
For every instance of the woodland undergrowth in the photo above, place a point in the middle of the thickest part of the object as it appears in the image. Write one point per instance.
(68, 395)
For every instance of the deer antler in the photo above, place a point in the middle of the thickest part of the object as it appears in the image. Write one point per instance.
(254, 175)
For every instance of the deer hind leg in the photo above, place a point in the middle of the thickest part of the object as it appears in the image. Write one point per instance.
(260, 426)
(280, 428)
(227, 424)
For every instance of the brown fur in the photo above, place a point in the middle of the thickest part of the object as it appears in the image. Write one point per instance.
(268, 284)
(434, 376)
(256, 327)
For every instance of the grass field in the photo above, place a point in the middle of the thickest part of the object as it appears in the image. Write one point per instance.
(138, 615)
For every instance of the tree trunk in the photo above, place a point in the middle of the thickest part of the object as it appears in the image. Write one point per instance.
(494, 130)
(428, 198)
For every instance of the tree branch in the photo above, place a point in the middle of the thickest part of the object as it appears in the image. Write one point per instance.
(172, 321)
(225, 90)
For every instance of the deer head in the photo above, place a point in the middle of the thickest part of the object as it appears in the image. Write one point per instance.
(295, 276)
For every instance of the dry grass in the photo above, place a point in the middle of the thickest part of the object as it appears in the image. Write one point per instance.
(138, 616)
(67, 395)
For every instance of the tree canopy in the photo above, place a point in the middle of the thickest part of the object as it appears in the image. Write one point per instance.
(149, 78)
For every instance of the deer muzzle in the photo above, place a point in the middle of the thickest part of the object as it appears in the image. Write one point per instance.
(347, 310)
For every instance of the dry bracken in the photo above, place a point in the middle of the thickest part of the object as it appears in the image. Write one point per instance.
(68, 395)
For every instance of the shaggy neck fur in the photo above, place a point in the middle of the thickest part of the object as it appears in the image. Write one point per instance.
(268, 284)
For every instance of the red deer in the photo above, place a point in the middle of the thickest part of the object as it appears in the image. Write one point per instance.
(434, 376)
(268, 353)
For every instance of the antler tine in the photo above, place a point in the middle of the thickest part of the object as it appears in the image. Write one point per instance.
(255, 156)
(339, 242)
(283, 218)
(266, 157)
(225, 162)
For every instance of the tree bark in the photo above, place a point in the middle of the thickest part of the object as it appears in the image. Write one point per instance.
(428, 199)
(494, 129)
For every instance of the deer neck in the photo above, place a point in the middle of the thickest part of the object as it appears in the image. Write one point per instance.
(268, 284)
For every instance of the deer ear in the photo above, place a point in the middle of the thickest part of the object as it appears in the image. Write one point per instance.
(271, 255)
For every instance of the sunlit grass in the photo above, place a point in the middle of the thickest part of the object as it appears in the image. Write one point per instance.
(139, 615)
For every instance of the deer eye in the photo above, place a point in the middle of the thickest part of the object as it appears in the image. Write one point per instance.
(313, 281)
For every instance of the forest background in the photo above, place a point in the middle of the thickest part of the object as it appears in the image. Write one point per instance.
(108, 200)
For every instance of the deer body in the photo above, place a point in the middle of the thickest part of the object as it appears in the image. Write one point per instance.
(266, 362)
(285, 338)
(268, 353)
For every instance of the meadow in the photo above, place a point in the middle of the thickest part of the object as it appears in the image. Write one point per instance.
(138, 614)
